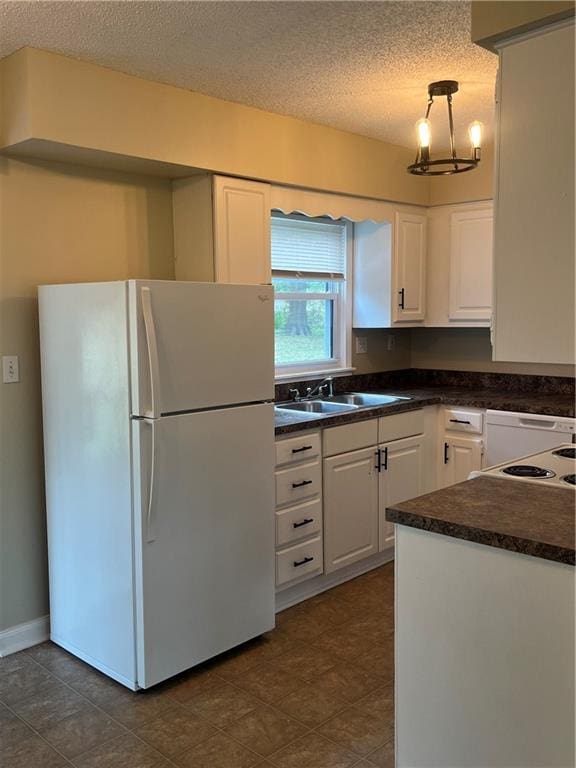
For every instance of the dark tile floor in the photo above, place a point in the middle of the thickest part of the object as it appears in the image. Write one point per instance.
(317, 692)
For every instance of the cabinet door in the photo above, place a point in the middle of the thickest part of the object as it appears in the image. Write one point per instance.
(400, 479)
(241, 231)
(409, 273)
(534, 268)
(471, 265)
(350, 508)
(460, 456)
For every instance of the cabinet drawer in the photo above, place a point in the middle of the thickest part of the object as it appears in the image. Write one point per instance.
(400, 425)
(463, 421)
(298, 561)
(298, 522)
(350, 437)
(301, 448)
(296, 483)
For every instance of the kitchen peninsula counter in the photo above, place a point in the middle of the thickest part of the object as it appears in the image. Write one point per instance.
(507, 514)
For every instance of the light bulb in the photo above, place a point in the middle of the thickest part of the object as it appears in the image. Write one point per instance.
(475, 133)
(423, 129)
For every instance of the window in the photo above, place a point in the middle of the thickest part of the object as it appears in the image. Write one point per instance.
(309, 267)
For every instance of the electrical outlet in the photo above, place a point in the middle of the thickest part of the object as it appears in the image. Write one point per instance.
(10, 371)
(361, 345)
(391, 343)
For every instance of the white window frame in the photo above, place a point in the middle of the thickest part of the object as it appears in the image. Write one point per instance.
(342, 321)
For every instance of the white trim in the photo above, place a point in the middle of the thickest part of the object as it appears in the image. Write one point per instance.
(305, 375)
(24, 635)
(285, 598)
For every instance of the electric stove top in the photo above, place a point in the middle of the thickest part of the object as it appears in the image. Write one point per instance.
(556, 467)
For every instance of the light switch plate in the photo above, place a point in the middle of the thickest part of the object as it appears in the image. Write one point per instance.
(10, 369)
(361, 345)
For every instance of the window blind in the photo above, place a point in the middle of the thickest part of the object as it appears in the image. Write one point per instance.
(308, 248)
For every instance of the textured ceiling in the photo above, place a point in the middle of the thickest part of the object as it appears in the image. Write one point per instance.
(359, 66)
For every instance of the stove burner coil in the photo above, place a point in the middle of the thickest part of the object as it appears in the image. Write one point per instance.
(565, 453)
(526, 470)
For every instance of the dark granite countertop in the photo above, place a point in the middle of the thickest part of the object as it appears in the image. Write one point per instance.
(552, 404)
(507, 514)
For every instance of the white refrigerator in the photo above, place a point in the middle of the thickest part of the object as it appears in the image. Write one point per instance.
(159, 456)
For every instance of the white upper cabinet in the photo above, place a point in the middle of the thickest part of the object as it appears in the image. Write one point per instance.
(459, 265)
(534, 203)
(389, 271)
(471, 265)
(409, 267)
(241, 231)
(221, 229)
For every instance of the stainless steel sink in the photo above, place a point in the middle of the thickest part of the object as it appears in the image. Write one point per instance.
(366, 399)
(317, 406)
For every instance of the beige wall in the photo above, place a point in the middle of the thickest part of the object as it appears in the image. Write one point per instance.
(378, 357)
(57, 224)
(69, 103)
(468, 349)
(493, 21)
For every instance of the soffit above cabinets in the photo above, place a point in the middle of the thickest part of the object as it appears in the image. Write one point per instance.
(361, 67)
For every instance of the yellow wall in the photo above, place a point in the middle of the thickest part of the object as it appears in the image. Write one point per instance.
(70, 103)
(493, 21)
(466, 187)
(57, 224)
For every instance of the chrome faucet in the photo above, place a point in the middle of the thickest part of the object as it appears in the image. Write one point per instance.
(319, 389)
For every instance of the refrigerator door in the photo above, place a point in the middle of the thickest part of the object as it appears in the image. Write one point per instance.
(204, 527)
(199, 345)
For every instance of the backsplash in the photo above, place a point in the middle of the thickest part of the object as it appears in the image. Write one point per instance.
(421, 378)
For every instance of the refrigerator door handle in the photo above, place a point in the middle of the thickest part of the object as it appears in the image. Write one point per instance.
(150, 528)
(152, 345)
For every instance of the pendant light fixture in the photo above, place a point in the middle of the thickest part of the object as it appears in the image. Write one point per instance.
(423, 165)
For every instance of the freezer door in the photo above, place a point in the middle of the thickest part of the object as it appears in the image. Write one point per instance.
(199, 345)
(204, 536)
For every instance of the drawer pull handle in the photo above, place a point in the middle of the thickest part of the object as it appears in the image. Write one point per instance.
(304, 482)
(401, 302)
(306, 521)
(298, 563)
(304, 448)
(445, 453)
(386, 458)
(459, 421)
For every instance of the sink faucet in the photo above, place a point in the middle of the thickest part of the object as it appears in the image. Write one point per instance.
(319, 389)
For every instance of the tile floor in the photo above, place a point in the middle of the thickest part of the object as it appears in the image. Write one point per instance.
(317, 692)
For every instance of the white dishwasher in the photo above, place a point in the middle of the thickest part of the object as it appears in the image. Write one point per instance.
(512, 435)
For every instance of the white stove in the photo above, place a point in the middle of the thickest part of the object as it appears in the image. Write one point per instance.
(556, 467)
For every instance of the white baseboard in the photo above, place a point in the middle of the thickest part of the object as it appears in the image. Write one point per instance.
(24, 635)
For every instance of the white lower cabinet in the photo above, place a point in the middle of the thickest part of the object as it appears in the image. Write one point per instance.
(299, 539)
(461, 444)
(460, 456)
(350, 507)
(401, 477)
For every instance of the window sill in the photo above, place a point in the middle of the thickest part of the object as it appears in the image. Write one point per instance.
(306, 375)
